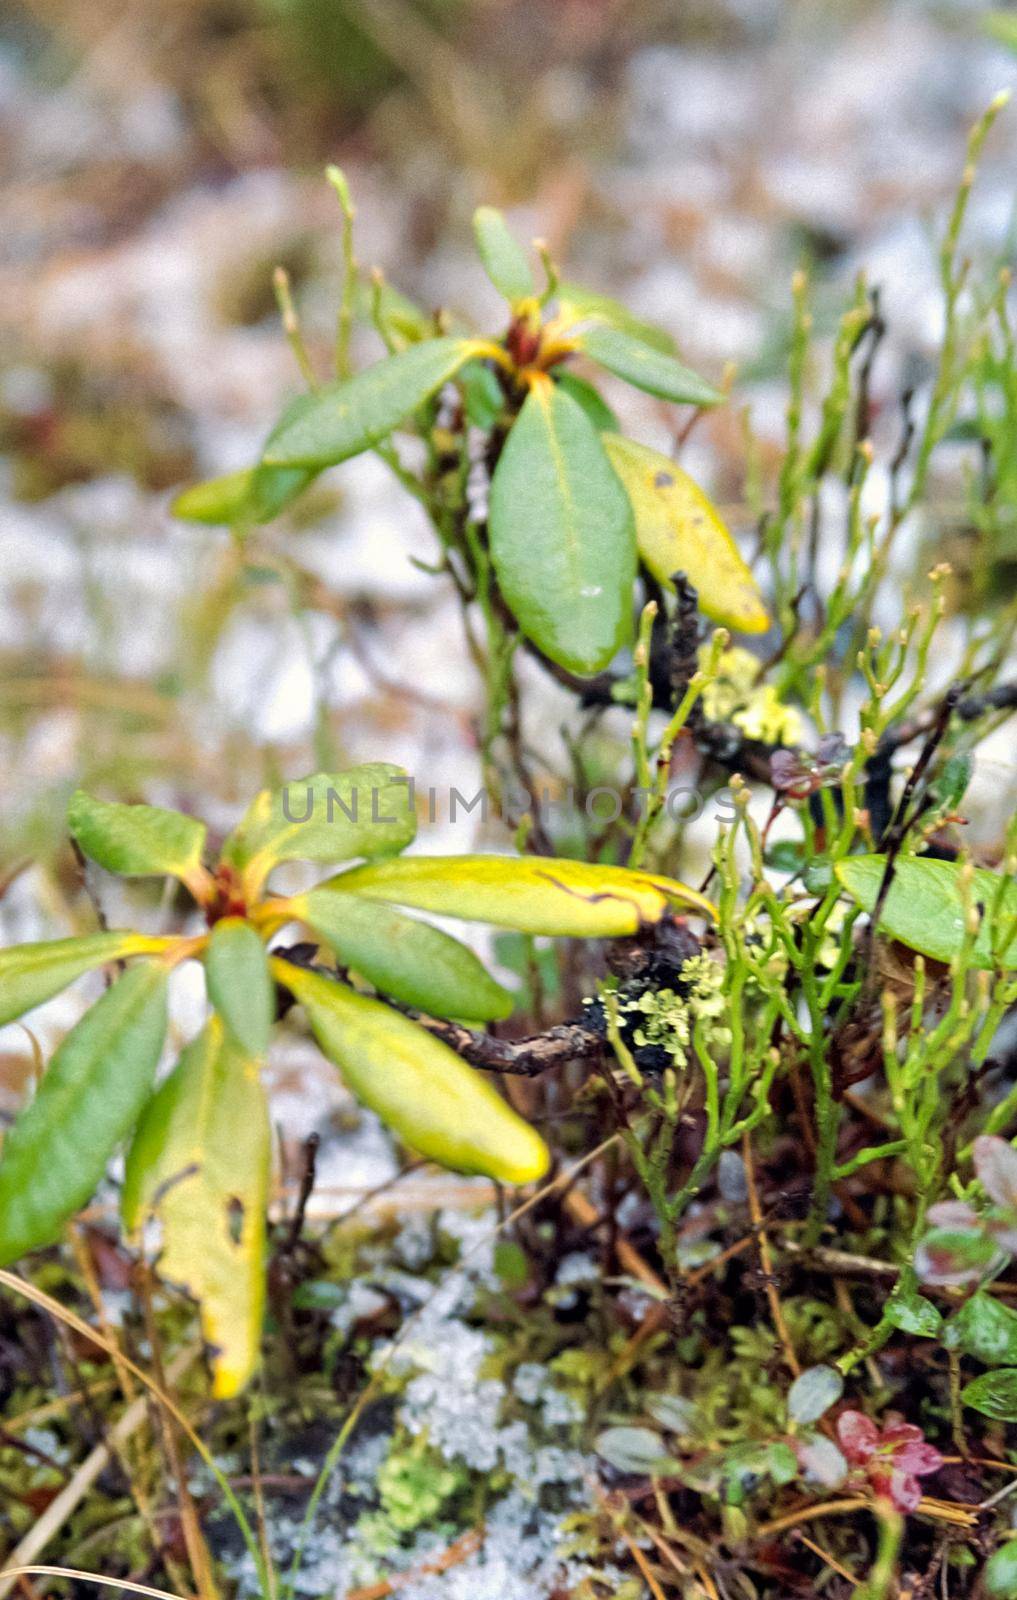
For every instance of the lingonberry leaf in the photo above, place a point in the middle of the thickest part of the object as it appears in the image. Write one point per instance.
(985, 1329)
(994, 1394)
(635, 1450)
(996, 1166)
(813, 1392)
(925, 906)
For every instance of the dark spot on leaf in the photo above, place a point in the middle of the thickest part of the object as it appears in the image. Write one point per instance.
(235, 1219)
(190, 1171)
(663, 480)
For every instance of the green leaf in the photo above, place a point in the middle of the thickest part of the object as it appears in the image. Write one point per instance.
(994, 1394)
(346, 418)
(635, 1450)
(1000, 1575)
(535, 894)
(985, 1329)
(562, 538)
(32, 973)
(678, 529)
(646, 368)
(781, 1461)
(239, 985)
(954, 1255)
(200, 1164)
(89, 1097)
(137, 841)
(239, 499)
(821, 1461)
(912, 1313)
(512, 1264)
(785, 855)
(502, 257)
(411, 961)
(925, 909)
(579, 304)
(483, 396)
(589, 400)
(329, 816)
(813, 1393)
(417, 1085)
(678, 1415)
(950, 784)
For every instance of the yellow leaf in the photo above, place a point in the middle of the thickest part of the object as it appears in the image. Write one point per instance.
(200, 1164)
(416, 1084)
(678, 530)
(536, 894)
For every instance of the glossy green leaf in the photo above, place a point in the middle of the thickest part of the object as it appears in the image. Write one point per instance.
(675, 1413)
(346, 418)
(89, 1097)
(821, 1461)
(678, 529)
(417, 1085)
(240, 499)
(924, 908)
(912, 1313)
(646, 368)
(955, 1255)
(589, 400)
(536, 894)
(239, 986)
(813, 1392)
(137, 841)
(562, 537)
(200, 1164)
(329, 816)
(635, 1450)
(578, 304)
(33, 973)
(504, 260)
(985, 1329)
(994, 1394)
(411, 961)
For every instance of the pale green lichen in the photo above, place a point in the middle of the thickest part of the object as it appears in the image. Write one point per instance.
(733, 696)
(667, 1017)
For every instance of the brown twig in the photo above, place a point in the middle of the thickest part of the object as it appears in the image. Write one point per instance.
(766, 1261)
(526, 1058)
(452, 1557)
